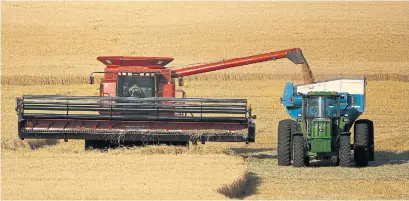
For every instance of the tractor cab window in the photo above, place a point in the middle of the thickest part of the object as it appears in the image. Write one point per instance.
(141, 87)
(322, 107)
(333, 107)
(316, 106)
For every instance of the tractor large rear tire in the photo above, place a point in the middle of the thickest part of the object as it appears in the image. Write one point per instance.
(285, 129)
(362, 130)
(299, 159)
(344, 153)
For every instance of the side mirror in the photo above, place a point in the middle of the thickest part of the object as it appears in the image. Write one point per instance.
(181, 81)
(91, 80)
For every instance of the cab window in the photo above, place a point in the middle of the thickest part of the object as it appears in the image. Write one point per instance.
(141, 87)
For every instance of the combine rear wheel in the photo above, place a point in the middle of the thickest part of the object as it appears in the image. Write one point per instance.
(251, 136)
(179, 143)
(284, 141)
(299, 159)
(96, 144)
(363, 138)
(344, 153)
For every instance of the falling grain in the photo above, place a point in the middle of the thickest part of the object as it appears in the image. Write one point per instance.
(307, 73)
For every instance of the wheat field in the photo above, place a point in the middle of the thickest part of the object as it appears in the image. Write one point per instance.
(51, 48)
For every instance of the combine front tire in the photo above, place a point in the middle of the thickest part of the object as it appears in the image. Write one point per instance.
(299, 159)
(284, 141)
(363, 150)
(344, 153)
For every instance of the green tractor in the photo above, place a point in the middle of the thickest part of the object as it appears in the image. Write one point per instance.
(323, 116)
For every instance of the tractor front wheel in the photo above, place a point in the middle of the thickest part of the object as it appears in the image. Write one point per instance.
(344, 153)
(299, 151)
(299, 159)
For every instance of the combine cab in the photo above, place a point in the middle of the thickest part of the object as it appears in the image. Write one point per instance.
(138, 105)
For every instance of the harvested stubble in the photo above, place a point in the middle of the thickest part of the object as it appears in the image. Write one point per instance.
(386, 178)
(113, 175)
(38, 143)
(237, 189)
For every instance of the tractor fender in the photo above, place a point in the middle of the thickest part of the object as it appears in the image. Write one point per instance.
(345, 133)
(298, 133)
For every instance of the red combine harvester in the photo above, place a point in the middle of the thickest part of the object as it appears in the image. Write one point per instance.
(138, 105)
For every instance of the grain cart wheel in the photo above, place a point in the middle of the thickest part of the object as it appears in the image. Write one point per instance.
(371, 149)
(284, 141)
(344, 153)
(371, 142)
(251, 136)
(362, 130)
(299, 151)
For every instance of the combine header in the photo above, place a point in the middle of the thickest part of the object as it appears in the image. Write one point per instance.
(138, 105)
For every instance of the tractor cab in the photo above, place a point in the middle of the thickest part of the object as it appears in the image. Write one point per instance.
(322, 105)
(321, 112)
